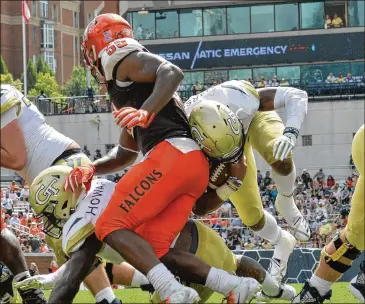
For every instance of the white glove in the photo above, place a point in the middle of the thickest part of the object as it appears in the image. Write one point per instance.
(284, 144)
(44, 281)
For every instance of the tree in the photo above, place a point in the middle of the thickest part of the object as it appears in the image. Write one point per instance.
(46, 83)
(31, 75)
(3, 67)
(78, 82)
(8, 79)
(42, 66)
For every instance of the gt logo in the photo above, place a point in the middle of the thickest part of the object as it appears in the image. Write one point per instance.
(199, 138)
(233, 122)
(47, 193)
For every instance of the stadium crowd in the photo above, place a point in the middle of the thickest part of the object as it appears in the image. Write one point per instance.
(322, 200)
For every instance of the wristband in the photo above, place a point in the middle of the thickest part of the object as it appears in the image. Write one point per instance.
(224, 192)
(291, 130)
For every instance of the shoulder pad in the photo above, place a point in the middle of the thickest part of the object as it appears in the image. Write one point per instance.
(119, 49)
(76, 230)
(9, 99)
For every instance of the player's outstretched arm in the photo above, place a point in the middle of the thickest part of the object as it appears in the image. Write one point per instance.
(145, 67)
(295, 102)
(119, 157)
(76, 270)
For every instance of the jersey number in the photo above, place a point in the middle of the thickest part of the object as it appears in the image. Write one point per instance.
(113, 47)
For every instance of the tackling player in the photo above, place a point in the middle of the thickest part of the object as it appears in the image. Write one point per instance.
(338, 255)
(38, 146)
(264, 132)
(13, 156)
(49, 199)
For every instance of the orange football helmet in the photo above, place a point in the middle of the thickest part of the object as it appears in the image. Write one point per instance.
(103, 30)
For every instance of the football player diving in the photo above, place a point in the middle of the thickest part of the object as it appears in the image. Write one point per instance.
(254, 124)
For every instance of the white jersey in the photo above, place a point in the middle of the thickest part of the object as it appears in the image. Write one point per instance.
(241, 98)
(43, 143)
(81, 224)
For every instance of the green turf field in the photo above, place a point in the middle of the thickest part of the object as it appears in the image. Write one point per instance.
(341, 294)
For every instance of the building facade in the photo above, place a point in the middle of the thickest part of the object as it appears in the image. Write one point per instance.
(54, 31)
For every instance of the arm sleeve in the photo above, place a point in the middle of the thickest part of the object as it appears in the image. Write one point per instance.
(295, 102)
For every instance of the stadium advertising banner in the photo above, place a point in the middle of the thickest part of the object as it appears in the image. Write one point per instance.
(262, 51)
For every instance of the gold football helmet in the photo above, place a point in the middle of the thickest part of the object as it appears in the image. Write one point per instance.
(217, 130)
(49, 199)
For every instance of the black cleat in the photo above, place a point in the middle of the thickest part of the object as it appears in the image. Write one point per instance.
(357, 284)
(33, 296)
(310, 294)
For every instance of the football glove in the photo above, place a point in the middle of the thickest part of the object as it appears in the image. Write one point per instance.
(80, 176)
(284, 144)
(130, 117)
(44, 281)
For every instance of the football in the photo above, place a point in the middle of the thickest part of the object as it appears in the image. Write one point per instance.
(218, 175)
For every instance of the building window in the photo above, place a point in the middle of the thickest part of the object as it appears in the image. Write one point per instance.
(312, 73)
(47, 36)
(50, 60)
(289, 74)
(109, 147)
(34, 58)
(130, 18)
(356, 16)
(214, 20)
(76, 19)
(76, 44)
(337, 69)
(191, 22)
(286, 17)
(54, 12)
(358, 69)
(238, 19)
(144, 26)
(307, 140)
(167, 25)
(89, 18)
(34, 8)
(262, 18)
(242, 74)
(44, 8)
(34, 34)
(217, 76)
(265, 74)
(312, 15)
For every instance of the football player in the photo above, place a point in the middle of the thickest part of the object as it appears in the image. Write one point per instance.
(152, 202)
(219, 134)
(48, 198)
(338, 255)
(13, 156)
(81, 212)
(38, 146)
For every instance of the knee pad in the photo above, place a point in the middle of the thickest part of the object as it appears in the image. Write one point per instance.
(342, 259)
(109, 271)
(285, 184)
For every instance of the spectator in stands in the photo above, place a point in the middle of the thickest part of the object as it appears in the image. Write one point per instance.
(340, 78)
(306, 178)
(275, 82)
(139, 32)
(34, 243)
(259, 177)
(331, 78)
(86, 151)
(251, 81)
(44, 247)
(328, 22)
(267, 179)
(53, 266)
(266, 245)
(349, 183)
(363, 79)
(284, 82)
(23, 221)
(262, 83)
(197, 88)
(90, 93)
(14, 220)
(330, 181)
(14, 186)
(320, 176)
(44, 103)
(33, 229)
(7, 204)
(349, 78)
(97, 154)
(24, 193)
(337, 21)
(33, 269)
(149, 34)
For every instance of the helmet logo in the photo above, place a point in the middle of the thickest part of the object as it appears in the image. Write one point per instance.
(231, 124)
(199, 138)
(108, 36)
(47, 193)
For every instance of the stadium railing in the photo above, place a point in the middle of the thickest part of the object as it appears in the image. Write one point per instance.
(317, 91)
